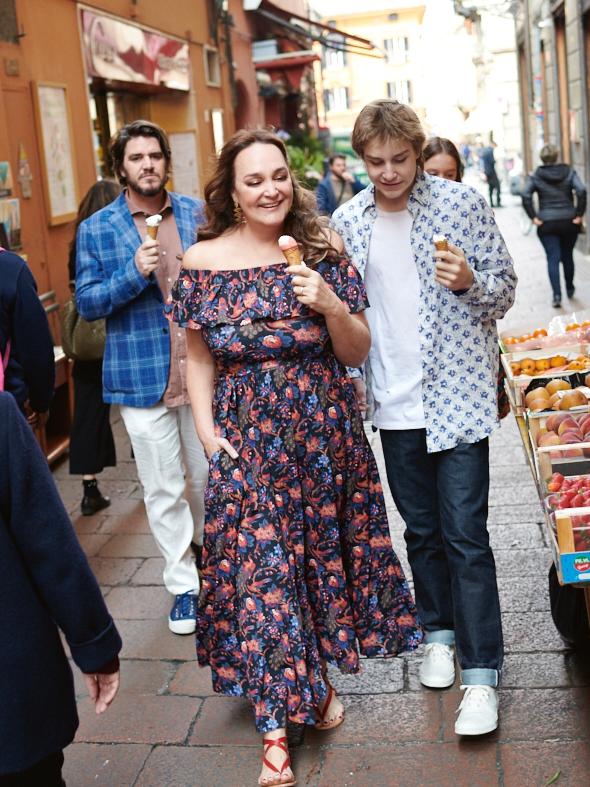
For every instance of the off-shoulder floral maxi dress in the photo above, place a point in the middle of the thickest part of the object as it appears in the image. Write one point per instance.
(298, 566)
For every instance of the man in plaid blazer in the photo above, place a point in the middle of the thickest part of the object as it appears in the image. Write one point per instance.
(127, 280)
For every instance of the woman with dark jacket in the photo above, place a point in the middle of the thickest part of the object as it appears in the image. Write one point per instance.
(26, 346)
(558, 218)
(45, 583)
(92, 447)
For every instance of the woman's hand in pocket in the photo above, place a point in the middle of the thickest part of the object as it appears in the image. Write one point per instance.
(216, 444)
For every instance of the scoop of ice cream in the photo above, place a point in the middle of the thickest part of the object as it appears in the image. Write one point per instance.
(154, 221)
(440, 242)
(287, 242)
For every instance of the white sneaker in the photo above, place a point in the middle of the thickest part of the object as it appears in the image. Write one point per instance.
(437, 670)
(478, 711)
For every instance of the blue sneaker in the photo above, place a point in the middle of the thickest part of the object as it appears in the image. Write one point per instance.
(183, 616)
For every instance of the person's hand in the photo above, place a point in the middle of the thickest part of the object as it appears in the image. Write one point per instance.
(34, 419)
(452, 270)
(577, 220)
(214, 444)
(311, 289)
(347, 176)
(102, 689)
(360, 390)
(537, 222)
(147, 257)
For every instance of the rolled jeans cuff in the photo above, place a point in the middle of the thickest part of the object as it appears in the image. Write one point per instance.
(443, 637)
(480, 676)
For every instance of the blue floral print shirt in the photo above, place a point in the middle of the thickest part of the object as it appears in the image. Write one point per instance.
(458, 337)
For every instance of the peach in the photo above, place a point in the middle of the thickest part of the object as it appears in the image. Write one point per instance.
(573, 398)
(554, 420)
(548, 438)
(568, 423)
(536, 393)
(572, 452)
(557, 385)
(568, 437)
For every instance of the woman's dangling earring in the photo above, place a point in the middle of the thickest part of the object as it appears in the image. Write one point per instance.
(238, 214)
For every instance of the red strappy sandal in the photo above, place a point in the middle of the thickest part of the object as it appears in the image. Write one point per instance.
(276, 781)
(322, 724)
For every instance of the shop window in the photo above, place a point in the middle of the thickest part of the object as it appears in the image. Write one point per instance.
(217, 126)
(400, 90)
(337, 99)
(396, 49)
(212, 70)
(8, 22)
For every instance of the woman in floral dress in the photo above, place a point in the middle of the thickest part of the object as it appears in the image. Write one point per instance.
(298, 567)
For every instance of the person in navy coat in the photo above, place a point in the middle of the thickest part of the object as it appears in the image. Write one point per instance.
(26, 344)
(45, 585)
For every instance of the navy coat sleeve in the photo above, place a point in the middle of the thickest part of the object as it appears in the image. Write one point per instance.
(42, 532)
(32, 342)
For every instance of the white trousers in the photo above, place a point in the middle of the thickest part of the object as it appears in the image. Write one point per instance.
(172, 468)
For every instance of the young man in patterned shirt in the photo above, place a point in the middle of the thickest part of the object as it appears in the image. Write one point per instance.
(432, 381)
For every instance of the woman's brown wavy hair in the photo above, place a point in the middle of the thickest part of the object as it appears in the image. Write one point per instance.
(302, 222)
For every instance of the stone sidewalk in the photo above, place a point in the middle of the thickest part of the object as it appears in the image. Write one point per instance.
(168, 729)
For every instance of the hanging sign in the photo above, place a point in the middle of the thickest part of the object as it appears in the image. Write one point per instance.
(116, 50)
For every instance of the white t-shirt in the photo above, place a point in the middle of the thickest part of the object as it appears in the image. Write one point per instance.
(393, 289)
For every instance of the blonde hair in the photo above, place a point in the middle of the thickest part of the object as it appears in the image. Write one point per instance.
(385, 119)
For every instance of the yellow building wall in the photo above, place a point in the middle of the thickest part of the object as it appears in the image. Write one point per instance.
(367, 77)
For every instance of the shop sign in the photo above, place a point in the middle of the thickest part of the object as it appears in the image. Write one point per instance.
(116, 50)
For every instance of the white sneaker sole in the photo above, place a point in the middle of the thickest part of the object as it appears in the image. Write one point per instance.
(472, 730)
(182, 626)
(437, 683)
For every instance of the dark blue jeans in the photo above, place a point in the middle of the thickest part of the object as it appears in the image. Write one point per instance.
(560, 248)
(443, 499)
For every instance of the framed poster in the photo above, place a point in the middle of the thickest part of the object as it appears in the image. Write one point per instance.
(185, 173)
(54, 131)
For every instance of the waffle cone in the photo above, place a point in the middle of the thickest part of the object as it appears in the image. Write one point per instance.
(293, 255)
(152, 232)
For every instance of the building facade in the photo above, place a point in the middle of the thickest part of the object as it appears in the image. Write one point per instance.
(70, 75)
(350, 75)
(553, 40)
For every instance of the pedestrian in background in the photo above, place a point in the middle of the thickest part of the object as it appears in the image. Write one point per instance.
(559, 218)
(432, 376)
(337, 187)
(26, 344)
(442, 159)
(298, 567)
(126, 277)
(92, 447)
(488, 163)
(45, 584)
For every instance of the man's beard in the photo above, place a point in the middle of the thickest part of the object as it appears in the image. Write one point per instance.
(147, 191)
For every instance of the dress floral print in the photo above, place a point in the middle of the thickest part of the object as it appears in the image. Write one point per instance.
(297, 560)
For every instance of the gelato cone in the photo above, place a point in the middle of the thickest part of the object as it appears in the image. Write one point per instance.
(152, 223)
(291, 250)
(440, 243)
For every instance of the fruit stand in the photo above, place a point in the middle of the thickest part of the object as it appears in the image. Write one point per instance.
(548, 387)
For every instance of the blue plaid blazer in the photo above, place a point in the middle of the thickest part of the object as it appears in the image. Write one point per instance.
(137, 354)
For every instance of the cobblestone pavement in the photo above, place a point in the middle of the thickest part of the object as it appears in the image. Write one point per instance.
(168, 729)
